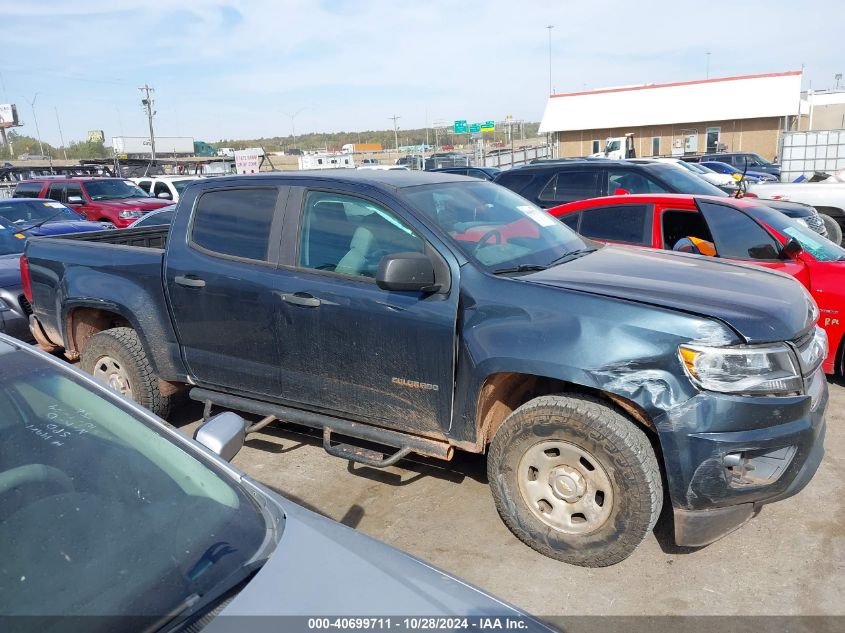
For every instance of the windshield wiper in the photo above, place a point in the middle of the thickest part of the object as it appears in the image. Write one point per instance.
(568, 257)
(44, 221)
(522, 268)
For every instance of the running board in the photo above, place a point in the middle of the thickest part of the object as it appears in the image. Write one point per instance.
(404, 443)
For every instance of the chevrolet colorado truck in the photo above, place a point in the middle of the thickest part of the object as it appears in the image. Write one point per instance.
(429, 313)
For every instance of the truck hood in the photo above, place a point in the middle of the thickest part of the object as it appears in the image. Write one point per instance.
(323, 568)
(761, 305)
(144, 204)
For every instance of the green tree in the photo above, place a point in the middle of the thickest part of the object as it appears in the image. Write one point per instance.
(87, 149)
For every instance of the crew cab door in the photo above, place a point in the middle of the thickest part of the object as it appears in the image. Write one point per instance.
(352, 348)
(221, 287)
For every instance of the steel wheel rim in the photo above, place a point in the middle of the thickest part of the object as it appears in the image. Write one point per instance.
(113, 374)
(565, 487)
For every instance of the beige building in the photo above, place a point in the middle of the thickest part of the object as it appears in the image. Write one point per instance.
(746, 113)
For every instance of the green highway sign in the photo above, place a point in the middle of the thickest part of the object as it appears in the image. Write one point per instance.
(460, 127)
(488, 126)
(474, 128)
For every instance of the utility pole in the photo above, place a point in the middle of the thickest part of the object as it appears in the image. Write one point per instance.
(35, 118)
(395, 118)
(550, 27)
(61, 136)
(707, 72)
(293, 124)
(149, 107)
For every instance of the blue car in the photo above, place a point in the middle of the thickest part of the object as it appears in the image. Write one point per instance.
(21, 218)
(750, 176)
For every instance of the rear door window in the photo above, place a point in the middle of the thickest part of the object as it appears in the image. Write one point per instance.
(515, 181)
(678, 224)
(27, 190)
(145, 185)
(236, 222)
(57, 192)
(736, 235)
(570, 186)
(632, 181)
(626, 223)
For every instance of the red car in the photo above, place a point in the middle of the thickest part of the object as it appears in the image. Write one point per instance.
(114, 200)
(741, 230)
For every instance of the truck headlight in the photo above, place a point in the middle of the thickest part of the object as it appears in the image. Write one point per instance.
(749, 370)
(126, 214)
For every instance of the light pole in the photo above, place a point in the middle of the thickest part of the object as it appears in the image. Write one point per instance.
(61, 136)
(293, 124)
(395, 118)
(837, 77)
(550, 27)
(35, 118)
(707, 72)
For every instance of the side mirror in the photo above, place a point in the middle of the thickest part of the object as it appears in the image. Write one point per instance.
(223, 434)
(406, 271)
(75, 200)
(792, 249)
(165, 195)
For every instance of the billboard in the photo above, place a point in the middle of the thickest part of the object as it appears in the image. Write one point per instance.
(96, 136)
(8, 115)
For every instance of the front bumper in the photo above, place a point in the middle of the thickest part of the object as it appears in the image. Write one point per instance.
(700, 437)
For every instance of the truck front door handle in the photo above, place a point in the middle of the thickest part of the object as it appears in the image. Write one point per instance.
(301, 299)
(189, 281)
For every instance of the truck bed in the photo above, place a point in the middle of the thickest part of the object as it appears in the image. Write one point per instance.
(145, 236)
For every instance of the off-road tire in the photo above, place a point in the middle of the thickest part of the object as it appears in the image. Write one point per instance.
(621, 449)
(834, 231)
(123, 344)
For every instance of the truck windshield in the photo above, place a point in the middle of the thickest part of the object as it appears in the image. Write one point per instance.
(19, 213)
(114, 190)
(613, 146)
(494, 226)
(106, 514)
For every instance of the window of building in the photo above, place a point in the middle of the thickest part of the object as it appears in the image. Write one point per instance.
(569, 186)
(349, 235)
(623, 223)
(596, 146)
(655, 146)
(235, 222)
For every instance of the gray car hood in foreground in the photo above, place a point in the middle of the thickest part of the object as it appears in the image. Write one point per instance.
(761, 305)
(323, 568)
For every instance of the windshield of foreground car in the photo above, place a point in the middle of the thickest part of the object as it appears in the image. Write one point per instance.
(114, 189)
(822, 249)
(26, 212)
(683, 181)
(494, 226)
(100, 512)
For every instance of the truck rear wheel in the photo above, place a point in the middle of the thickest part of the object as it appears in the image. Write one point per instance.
(117, 359)
(575, 480)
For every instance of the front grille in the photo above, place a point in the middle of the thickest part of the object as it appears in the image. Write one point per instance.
(25, 305)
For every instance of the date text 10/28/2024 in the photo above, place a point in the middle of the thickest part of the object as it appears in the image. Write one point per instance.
(479, 623)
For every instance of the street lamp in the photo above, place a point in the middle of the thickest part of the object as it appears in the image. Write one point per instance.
(550, 27)
(35, 118)
(837, 77)
(293, 124)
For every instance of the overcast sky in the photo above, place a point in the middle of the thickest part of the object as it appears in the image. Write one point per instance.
(238, 69)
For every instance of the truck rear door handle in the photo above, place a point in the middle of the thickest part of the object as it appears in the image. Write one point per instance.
(190, 281)
(301, 299)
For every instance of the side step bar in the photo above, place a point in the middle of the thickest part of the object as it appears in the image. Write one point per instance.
(403, 442)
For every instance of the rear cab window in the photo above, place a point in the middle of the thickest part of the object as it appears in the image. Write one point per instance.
(28, 190)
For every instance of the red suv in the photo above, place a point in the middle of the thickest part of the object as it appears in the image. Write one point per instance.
(114, 200)
(741, 230)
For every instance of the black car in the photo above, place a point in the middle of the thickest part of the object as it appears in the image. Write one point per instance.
(554, 183)
(741, 160)
(484, 173)
(446, 159)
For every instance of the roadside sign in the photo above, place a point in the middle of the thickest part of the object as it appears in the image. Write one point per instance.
(460, 126)
(474, 128)
(247, 161)
(488, 126)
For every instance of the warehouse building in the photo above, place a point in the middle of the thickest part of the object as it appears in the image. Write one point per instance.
(733, 114)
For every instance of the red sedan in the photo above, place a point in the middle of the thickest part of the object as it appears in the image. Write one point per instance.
(741, 230)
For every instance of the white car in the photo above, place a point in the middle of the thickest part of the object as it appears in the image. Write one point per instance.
(165, 187)
(724, 181)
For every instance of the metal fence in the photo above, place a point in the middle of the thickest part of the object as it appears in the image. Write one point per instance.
(6, 189)
(803, 153)
(505, 160)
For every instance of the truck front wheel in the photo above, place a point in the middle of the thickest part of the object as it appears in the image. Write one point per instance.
(575, 480)
(117, 359)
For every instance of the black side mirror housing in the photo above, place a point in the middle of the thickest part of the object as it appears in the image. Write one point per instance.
(406, 271)
(792, 249)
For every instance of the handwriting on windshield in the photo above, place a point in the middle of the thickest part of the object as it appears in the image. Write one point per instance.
(61, 424)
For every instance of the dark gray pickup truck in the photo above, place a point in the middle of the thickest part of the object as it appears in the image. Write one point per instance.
(427, 313)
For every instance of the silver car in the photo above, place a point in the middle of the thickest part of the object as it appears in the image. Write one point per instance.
(106, 510)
